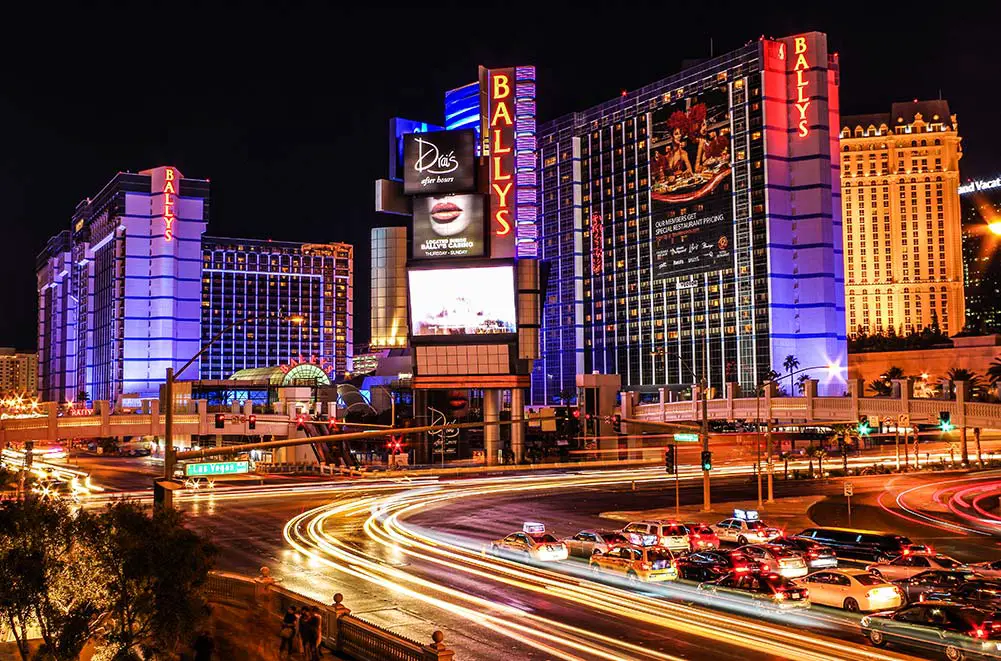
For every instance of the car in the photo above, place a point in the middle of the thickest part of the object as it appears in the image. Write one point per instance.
(668, 534)
(637, 563)
(768, 590)
(954, 630)
(817, 555)
(701, 537)
(532, 542)
(852, 589)
(871, 545)
(777, 559)
(975, 591)
(933, 584)
(990, 569)
(710, 565)
(741, 531)
(588, 542)
(909, 564)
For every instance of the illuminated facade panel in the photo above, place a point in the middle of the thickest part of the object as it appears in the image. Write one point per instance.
(903, 235)
(389, 288)
(981, 206)
(691, 227)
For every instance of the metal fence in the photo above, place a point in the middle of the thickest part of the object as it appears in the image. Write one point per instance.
(341, 631)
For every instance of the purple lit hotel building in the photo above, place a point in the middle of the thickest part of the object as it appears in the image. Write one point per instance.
(694, 226)
(135, 286)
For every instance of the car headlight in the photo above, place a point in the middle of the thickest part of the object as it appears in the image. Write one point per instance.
(865, 621)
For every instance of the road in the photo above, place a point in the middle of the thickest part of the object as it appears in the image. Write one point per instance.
(407, 556)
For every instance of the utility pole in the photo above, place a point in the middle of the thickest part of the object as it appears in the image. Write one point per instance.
(768, 450)
(706, 504)
(168, 438)
(757, 440)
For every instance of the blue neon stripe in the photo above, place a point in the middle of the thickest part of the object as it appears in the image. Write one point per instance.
(180, 259)
(800, 276)
(803, 246)
(162, 298)
(127, 318)
(795, 159)
(811, 216)
(797, 306)
(804, 187)
(805, 336)
(150, 237)
(161, 277)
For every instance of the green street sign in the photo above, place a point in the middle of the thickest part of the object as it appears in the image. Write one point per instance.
(686, 438)
(214, 468)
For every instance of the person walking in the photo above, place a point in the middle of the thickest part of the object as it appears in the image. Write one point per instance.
(287, 633)
(308, 627)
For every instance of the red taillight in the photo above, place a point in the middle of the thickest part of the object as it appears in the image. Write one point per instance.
(806, 593)
(979, 633)
(779, 596)
(740, 569)
(812, 554)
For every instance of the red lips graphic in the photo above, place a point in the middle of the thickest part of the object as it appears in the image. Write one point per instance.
(445, 212)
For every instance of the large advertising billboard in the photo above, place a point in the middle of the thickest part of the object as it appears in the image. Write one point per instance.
(448, 226)
(467, 301)
(690, 192)
(439, 162)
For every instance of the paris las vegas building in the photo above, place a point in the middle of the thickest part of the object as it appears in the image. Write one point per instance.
(694, 226)
(135, 286)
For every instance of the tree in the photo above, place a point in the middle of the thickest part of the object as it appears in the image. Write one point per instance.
(962, 374)
(784, 456)
(790, 364)
(881, 388)
(47, 575)
(821, 454)
(994, 372)
(811, 452)
(894, 373)
(154, 568)
(801, 383)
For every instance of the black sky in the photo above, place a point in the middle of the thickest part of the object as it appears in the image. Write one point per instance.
(286, 111)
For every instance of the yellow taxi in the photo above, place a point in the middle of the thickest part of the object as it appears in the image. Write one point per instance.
(636, 563)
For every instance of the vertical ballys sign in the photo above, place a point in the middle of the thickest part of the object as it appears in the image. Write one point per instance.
(170, 186)
(801, 66)
(500, 124)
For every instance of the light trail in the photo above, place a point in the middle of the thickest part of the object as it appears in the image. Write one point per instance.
(308, 534)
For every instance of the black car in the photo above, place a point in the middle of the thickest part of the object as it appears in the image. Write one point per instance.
(954, 630)
(816, 555)
(934, 581)
(710, 565)
(767, 590)
(979, 592)
(859, 544)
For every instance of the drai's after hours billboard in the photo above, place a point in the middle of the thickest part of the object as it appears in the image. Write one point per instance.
(439, 162)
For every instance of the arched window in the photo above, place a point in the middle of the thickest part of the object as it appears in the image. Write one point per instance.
(914, 143)
(938, 141)
(924, 143)
(858, 131)
(845, 148)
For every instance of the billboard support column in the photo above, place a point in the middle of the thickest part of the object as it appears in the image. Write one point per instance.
(518, 428)
(491, 432)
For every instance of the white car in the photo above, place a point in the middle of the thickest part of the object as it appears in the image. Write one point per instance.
(669, 534)
(852, 589)
(776, 559)
(743, 532)
(988, 569)
(909, 564)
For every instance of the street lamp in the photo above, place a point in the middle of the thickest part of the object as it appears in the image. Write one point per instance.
(832, 368)
(168, 418)
(703, 428)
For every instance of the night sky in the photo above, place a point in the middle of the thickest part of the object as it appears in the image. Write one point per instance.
(287, 112)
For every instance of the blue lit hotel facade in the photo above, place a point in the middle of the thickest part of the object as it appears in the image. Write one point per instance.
(692, 228)
(134, 286)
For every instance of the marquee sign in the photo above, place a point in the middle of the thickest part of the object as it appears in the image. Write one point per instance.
(170, 186)
(328, 367)
(979, 185)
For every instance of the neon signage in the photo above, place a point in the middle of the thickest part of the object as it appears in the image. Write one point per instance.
(325, 365)
(597, 244)
(501, 127)
(800, 67)
(169, 199)
(979, 185)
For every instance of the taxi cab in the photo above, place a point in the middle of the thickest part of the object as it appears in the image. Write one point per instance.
(745, 528)
(637, 563)
(532, 542)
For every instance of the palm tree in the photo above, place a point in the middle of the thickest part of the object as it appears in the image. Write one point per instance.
(811, 452)
(881, 388)
(994, 372)
(790, 364)
(784, 456)
(893, 373)
(801, 382)
(821, 453)
(962, 374)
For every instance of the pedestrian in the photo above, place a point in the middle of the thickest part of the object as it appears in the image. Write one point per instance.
(318, 615)
(204, 646)
(307, 629)
(287, 633)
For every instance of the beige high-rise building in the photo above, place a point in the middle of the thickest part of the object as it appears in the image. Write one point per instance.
(903, 237)
(389, 287)
(18, 372)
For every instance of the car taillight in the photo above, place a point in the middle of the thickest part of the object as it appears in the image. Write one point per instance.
(806, 593)
(739, 569)
(812, 554)
(979, 633)
(779, 596)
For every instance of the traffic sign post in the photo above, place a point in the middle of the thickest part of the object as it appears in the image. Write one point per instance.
(849, 492)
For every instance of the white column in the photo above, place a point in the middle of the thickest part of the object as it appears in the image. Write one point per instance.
(517, 429)
(491, 433)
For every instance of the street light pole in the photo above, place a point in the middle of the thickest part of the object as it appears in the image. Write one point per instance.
(704, 432)
(169, 455)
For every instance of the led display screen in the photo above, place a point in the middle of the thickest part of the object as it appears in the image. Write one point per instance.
(448, 226)
(439, 162)
(691, 185)
(469, 301)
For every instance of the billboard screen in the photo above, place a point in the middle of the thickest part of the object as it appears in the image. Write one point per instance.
(439, 162)
(691, 185)
(448, 226)
(467, 301)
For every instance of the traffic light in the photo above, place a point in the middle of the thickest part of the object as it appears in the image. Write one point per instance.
(669, 465)
(220, 420)
(863, 426)
(707, 460)
(300, 422)
(395, 444)
(945, 421)
(617, 423)
(576, 413)
(251, 421)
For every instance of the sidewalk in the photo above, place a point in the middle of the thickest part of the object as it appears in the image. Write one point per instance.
(790, 514)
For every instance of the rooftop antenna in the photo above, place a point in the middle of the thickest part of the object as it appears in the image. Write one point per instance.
(939, 93)
(710, 46)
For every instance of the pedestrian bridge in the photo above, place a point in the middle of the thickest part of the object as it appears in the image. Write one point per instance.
(101, 423)
(809, 408)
